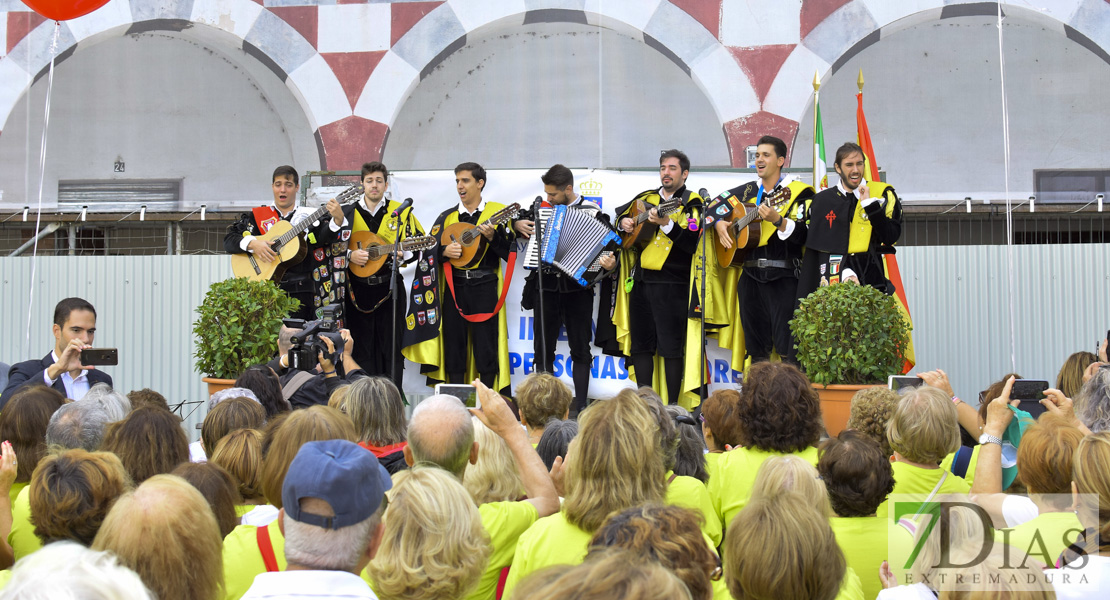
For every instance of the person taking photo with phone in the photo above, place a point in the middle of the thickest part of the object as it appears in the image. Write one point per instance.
(62, 369)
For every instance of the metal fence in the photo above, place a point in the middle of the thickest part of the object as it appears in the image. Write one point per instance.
(959, 297)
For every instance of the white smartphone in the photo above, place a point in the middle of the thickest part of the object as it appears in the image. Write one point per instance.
(465, 392)
(899, 382)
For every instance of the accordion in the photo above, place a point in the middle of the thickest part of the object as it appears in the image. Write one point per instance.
(573, 241)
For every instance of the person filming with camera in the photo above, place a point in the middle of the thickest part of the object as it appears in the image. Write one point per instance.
(307, 380)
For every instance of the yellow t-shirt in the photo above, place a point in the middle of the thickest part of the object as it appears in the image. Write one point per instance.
(242, 509)
(731, 486)
(864, 543)
(243, 560)
(16, 489)
(549, 541)
(1043, 539)
(504, 522)
(22, 538)
(5, 578)
(850, 588)
(909, 479)
(689, 492)
(711, 460)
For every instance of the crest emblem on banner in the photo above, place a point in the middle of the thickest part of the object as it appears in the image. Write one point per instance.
(420, 317)
(432, 316)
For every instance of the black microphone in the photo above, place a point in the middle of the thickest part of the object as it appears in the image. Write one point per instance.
(536, 203)
(400, 209)
(704, 193)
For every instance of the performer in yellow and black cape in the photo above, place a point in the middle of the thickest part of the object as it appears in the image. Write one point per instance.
(369, 309)
(448, 346)
(850, 228)
(748, 308)
(650, 312)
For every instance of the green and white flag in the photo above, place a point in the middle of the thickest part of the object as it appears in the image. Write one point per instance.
(820, 167)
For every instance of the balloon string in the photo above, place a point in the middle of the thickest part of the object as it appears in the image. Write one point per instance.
(1009, 207)
(42, 179)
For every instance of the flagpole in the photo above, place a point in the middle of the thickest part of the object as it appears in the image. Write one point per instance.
(816, 104)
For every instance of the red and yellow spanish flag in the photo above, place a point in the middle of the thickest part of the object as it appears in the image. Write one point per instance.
(871, 173)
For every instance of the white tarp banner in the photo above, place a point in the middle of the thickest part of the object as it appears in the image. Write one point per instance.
(434, 192)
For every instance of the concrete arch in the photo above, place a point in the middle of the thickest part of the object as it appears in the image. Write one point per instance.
(659, 24)
(243, 23)
(860, 23)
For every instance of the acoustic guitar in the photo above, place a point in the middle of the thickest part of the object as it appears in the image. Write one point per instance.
(380, 249)
(285, 239)
(744, 229)
(643, 229)
(471, 239)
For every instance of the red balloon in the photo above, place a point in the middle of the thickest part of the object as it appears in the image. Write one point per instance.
(63, 10)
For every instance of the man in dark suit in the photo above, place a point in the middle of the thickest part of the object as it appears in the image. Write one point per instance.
(74, 328)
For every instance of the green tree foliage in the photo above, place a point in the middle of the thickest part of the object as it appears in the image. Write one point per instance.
(850, 334)
(238, 325)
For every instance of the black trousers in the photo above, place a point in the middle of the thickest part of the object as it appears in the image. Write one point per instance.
(374, 349)
(765, 311)
(574, 310)
(658, 315)
(473, 296)
(302, 289)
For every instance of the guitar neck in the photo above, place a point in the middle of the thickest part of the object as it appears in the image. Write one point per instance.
(665, 208)
(497, 219)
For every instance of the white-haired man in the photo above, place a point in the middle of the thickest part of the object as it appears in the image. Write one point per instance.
(332, 516)
(441, 433)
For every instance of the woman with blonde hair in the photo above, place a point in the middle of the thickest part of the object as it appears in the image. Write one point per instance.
(923, 431)
(615, 463)
(240, 454)
(1070, 377)
(377, 410)
(250, 550)
(433, 546)
(615, 573)
(494, 477)
(164, 530)
(1086, 564)
(779, 547)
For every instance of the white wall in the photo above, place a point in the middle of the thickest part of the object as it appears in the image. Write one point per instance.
(933, 101)
(535, 95)
(168, 105)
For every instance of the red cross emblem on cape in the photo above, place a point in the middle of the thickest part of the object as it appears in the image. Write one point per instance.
(830, 217)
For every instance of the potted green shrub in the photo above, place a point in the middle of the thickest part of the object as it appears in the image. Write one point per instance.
(237, 327)
(848, 337)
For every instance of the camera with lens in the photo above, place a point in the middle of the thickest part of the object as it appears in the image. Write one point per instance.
(308, 343)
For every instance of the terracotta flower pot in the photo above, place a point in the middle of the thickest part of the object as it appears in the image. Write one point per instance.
(215, 384)
(836, 404)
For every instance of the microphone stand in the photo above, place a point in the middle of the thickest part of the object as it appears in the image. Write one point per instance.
(538, 232)
(704, 390)
(393, 275)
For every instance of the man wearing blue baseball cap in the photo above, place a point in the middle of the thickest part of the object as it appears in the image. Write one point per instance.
(334, 498)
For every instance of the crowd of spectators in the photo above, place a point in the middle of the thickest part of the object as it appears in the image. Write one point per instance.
(347, 492)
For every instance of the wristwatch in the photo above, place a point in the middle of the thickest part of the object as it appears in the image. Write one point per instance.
(987, 438)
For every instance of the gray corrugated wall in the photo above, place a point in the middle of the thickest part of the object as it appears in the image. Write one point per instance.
(144, 307)
(958, 297)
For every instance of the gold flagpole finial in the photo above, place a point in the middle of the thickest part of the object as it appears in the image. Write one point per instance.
(859, 81)
(816, 80)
